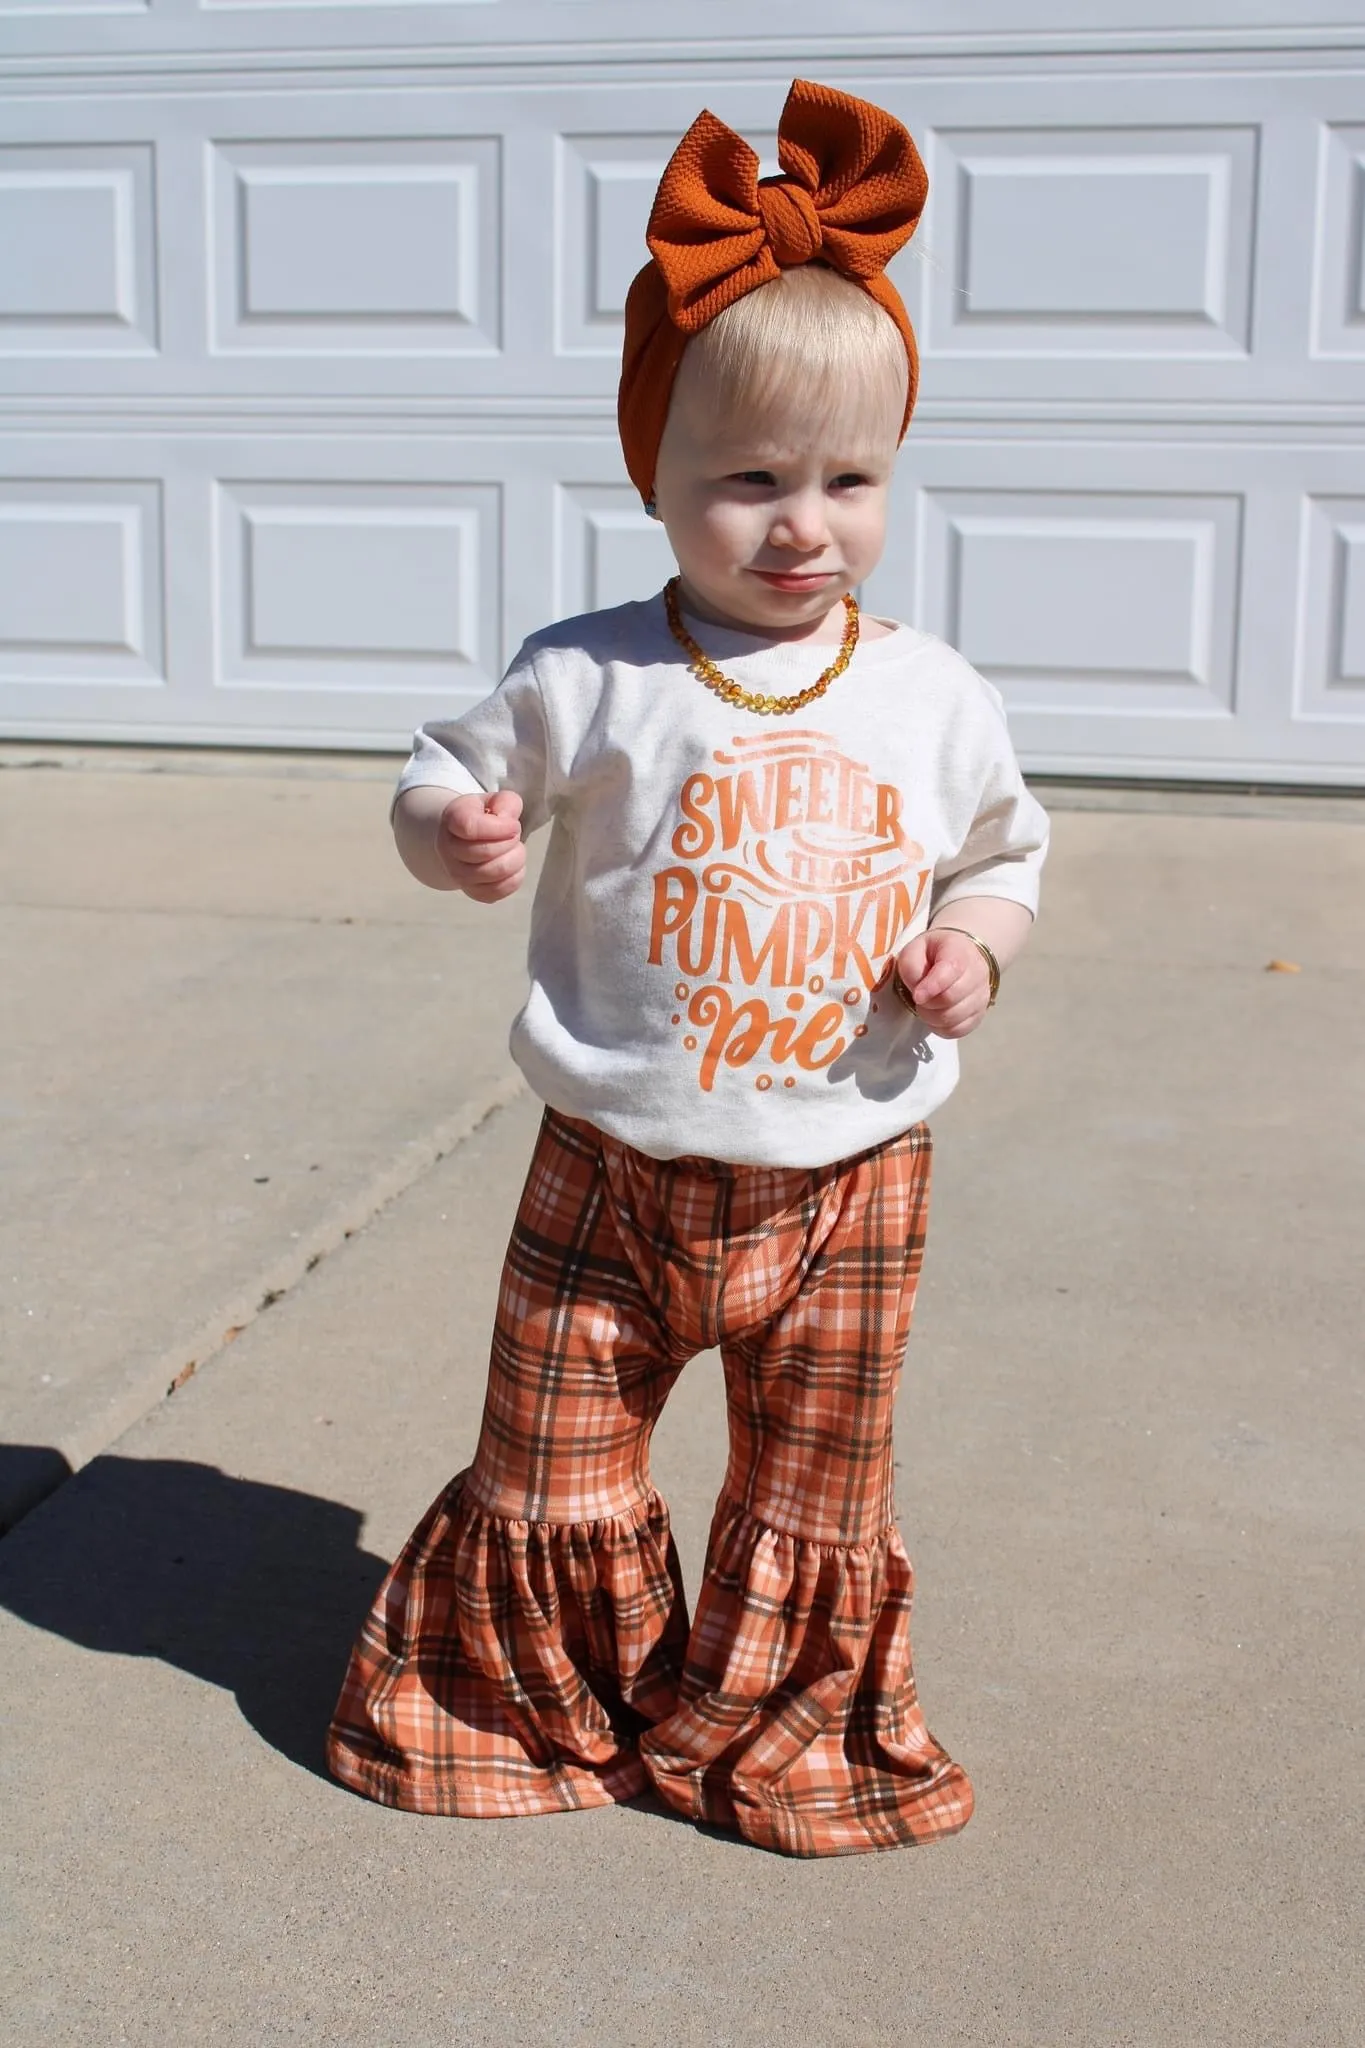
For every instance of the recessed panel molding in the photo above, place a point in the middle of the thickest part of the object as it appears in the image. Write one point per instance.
(357, 247)
(1330, 684)
(1106, 601)
(81, 582)
(364, 586)
(1091, 242)
(1339, 269)
(608, 550)
(77, 251)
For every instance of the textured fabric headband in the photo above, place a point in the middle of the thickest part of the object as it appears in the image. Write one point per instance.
(850, 196)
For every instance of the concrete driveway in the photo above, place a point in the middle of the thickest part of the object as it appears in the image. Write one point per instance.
(263, 1141)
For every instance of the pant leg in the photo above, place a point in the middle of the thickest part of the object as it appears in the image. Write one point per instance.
(797, 1719)
(534, 1622)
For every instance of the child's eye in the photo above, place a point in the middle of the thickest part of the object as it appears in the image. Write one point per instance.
(849, 481)
(764, 477)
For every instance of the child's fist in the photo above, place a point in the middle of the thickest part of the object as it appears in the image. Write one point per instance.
(947, 980)
(478, 842)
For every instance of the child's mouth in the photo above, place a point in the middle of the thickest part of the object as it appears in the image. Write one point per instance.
(795, 579)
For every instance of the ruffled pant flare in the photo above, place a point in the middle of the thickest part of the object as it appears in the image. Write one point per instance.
(530, 1650)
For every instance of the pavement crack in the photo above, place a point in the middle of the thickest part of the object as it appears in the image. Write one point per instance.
(167, 1373)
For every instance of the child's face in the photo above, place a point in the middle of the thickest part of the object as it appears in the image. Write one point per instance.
(773, 519)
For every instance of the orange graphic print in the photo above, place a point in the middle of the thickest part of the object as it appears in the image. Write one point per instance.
(793, 882)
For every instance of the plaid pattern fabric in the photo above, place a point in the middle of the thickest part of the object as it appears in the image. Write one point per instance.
(530, 1649)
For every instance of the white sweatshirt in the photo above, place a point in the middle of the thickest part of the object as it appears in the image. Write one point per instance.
(723, 890)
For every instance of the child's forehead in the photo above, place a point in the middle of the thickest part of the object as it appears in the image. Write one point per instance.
(781, 437)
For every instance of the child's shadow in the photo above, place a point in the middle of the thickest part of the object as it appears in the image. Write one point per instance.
(255, 1588)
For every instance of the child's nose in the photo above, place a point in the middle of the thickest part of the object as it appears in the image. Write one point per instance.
(801, 522)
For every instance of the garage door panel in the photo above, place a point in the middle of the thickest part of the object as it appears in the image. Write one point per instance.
(1129, 602)
(1330, 670)
(1093, 242)
(1133, 240)
(81, 584)
(357, 247)
(1339, 294)
(607, 550)
(79, 272)
(1150, 623)
(379, 587)
(355, 586)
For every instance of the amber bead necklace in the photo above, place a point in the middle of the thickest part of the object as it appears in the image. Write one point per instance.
(728, 690)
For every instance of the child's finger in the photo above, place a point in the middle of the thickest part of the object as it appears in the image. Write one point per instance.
(959, 1024)
(484, 852)
(500, 878)
(934, 985)
(495, 873)
(495, 895)
(506, 804)
(910, 963)
(957, 1015)
(468, 821)
(483, 862)
(487, 829)
(961, 991)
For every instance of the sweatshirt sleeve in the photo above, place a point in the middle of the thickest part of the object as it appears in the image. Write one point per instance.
(502, 743)
(1004, 829)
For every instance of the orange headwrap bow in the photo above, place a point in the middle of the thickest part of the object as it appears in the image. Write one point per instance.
(851, 197)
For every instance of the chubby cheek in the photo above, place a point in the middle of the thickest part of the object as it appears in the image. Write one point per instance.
(696, 546)
(729, 533)
(864, 535)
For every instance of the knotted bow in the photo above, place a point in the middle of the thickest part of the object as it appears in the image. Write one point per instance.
(850, 196)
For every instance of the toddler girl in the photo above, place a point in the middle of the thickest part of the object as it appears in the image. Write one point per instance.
(790, 853)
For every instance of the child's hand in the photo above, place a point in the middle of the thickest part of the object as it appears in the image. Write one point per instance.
(947, 980)
(479, 844)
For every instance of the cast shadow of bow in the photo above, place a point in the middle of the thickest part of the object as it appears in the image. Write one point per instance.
(255, 1588)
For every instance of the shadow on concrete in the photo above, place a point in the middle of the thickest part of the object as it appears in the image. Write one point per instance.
(254, 1588)
(28, 1474)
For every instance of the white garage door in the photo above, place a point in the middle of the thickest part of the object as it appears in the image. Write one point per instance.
(310, 319)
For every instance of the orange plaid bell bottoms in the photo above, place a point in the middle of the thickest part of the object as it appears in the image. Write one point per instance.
(531, 1651)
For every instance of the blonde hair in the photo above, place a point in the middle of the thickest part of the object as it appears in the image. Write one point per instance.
(809, 341)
